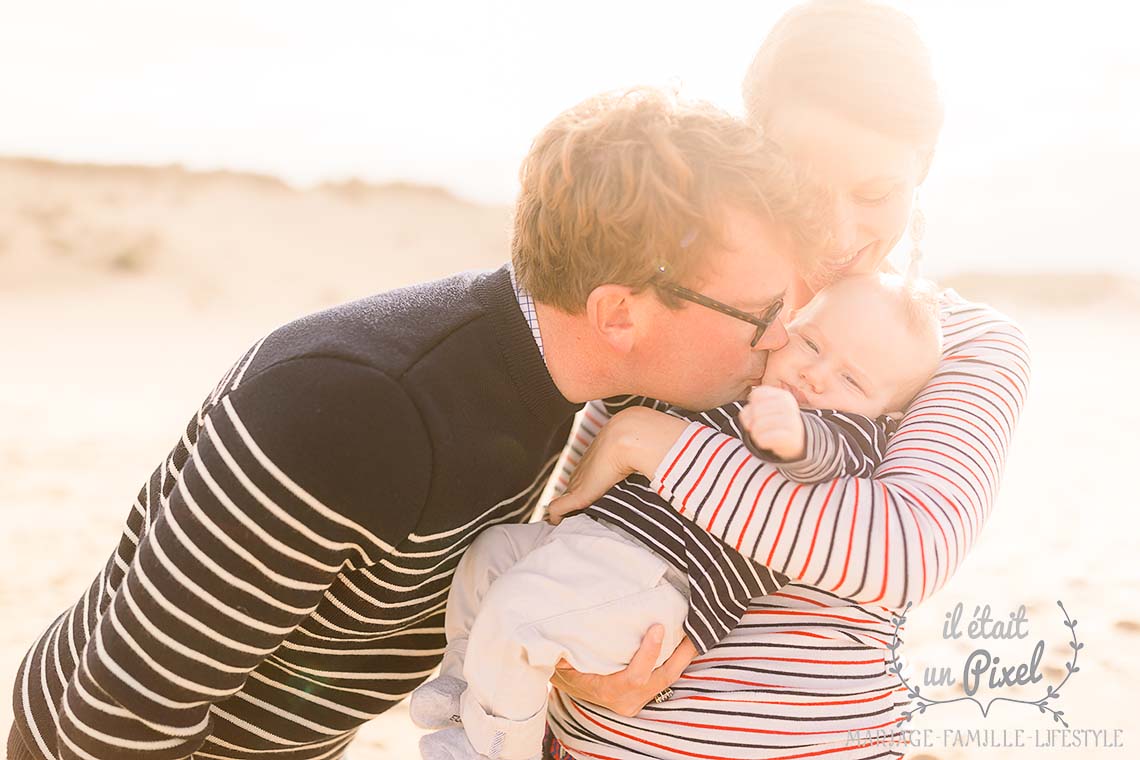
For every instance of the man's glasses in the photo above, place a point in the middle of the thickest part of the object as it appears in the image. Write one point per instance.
(661, 280)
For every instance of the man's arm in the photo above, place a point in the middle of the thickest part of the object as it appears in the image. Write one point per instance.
(279, 493)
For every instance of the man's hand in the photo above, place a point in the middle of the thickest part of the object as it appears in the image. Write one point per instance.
(773, 421)
(629, 690)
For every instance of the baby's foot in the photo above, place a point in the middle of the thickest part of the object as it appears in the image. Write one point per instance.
(435, 704)
(448, 744)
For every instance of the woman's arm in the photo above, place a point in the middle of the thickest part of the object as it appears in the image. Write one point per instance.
(888, 539)
(626, 691)
(590, 421)
(634, 440)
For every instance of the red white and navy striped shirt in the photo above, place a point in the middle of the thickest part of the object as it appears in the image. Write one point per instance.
(721, 580)
(807, 666)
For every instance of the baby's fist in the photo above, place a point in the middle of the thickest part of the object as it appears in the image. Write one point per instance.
(772, 419)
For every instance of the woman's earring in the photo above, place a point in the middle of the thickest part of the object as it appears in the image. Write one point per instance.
(917, 230)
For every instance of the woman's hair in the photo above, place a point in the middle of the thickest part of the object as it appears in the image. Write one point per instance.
(861, 60)
(625, 182)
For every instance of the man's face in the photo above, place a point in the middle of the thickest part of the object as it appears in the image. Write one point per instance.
(698, 358)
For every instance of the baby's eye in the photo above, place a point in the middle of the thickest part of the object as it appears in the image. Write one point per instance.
(852, 382)
(810, 344)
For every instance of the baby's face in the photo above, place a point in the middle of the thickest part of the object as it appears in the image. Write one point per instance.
(849, 349)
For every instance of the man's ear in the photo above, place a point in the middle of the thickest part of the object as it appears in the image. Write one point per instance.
(610, 311)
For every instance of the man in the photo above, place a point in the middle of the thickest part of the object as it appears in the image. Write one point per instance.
(283, 573)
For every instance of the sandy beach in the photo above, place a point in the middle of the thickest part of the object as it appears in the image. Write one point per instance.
(126, 292)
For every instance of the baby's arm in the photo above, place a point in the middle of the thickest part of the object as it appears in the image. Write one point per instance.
(774, 428)
(809, 445)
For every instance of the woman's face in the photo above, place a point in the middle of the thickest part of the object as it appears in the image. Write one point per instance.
(872, 177)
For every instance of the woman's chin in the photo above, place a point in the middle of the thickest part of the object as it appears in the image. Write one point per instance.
(863, 261)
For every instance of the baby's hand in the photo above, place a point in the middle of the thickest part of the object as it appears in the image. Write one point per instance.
(772, 419)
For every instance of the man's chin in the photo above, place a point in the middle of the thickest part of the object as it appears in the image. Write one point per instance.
(736, 397)
(727, 396)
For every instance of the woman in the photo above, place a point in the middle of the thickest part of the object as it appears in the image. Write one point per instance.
(846, 88)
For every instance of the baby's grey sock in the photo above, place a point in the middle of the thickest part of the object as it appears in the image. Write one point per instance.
(435, 704)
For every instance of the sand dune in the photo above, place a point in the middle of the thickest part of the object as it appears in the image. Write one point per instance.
(224, 240)
(126, 291)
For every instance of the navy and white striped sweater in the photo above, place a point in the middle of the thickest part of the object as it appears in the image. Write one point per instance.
(282, 575)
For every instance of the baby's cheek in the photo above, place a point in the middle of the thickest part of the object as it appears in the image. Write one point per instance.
(777, 366)
(867, 407)
(839, 401)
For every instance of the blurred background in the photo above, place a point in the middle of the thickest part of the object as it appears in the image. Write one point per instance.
(178, 179)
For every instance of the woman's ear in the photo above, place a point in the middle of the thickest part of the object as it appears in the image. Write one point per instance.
(925, 159)
(611, 314)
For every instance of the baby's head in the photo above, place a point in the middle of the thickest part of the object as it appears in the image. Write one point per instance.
(865, 344)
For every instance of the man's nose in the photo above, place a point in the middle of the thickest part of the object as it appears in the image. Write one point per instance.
(774, 337)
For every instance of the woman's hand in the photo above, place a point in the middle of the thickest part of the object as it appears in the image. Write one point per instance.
(629, 690)
(634, 440)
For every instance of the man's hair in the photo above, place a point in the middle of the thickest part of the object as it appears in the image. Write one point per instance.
(625, 182)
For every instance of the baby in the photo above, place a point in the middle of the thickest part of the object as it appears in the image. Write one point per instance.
(865, 345)
(526, 596)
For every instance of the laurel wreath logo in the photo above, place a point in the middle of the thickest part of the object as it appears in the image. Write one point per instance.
(921, 701)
